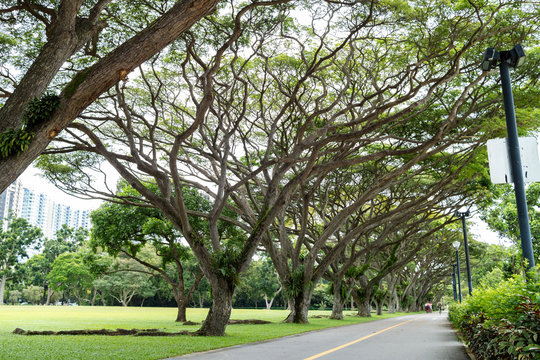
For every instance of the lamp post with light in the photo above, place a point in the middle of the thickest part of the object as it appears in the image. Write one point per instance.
(456, 246)
(505, 60)
(463, 215)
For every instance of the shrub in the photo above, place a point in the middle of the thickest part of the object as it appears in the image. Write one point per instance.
(502, 322)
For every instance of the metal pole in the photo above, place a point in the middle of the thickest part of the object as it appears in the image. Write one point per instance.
(467, 262)
(454, 281)
(515, 165)
(458, 276)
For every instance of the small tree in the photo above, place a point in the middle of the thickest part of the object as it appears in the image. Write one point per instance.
(14, 243)
(14, 296)
(32, 294)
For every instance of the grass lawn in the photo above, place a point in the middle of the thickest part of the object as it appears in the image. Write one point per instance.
(99, 347)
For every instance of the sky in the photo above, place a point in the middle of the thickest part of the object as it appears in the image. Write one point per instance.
(32, 179)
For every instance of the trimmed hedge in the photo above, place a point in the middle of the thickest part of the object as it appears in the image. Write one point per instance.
(502, 322)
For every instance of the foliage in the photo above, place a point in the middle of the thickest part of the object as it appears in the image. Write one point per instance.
(295, 284)
(32, 294)
(126, 282)
(14, 142)
(14, 243)
(14, 296)
(69, 273)
(501, 215)
(40, 110)
(504, 321)
(259, 282)
(225, 261)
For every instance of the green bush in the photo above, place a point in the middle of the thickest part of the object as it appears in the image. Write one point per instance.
(502, 322)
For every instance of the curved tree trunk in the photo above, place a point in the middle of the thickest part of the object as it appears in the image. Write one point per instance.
(220, 309)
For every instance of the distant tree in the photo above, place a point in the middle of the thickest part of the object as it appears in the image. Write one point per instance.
(32, 294)
(71, 275)
(38, 266)
(14, 243)
(128, 280)
(14, 296)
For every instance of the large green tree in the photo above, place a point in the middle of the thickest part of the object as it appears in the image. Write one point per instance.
(15, 241)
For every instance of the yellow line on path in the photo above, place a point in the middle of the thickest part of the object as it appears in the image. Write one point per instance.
(356, 341)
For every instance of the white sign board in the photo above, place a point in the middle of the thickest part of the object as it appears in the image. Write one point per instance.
(499, 161)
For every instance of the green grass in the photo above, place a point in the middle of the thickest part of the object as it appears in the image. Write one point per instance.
(15, 347)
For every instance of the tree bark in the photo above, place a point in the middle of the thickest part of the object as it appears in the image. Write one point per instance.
(379, 307)
(300, 308)
(49, 295)
(363, 302)
(220, 310)
(337, 308)
(181, 314)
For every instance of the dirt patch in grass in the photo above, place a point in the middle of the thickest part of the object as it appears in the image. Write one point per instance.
(117, 332)
(249, 321)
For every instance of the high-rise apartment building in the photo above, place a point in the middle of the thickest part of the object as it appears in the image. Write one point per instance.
(40, 211)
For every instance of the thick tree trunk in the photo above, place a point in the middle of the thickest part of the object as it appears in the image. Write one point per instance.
(220, 309)
(181, 314)
(337, 308)
(379, 307)
(364, 308)
(2, 288)
(393, 305)
(300, 308)
(363, 302)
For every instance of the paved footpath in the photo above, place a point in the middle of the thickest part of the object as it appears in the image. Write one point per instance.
(413, 337)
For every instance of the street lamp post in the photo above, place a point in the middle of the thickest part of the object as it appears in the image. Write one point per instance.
(505, 60)
(462, 215)
(454, 281)
(456, 246)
